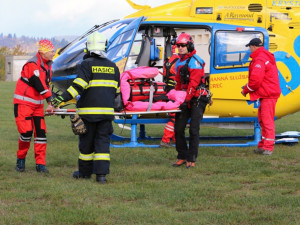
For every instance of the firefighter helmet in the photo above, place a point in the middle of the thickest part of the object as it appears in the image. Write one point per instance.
(96, 43)
(185, 38)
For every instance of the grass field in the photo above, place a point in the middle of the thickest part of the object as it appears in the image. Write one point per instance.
(228, 185)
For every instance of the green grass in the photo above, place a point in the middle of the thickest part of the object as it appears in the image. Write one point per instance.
(228, 185)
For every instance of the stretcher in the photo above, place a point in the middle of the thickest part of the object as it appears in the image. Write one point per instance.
(135, 119)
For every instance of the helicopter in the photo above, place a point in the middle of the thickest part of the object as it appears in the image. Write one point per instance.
(220, 30)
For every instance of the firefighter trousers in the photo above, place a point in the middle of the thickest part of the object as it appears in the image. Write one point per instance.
(195, 112)
(30, 119)
(94, 148)
(266, 114)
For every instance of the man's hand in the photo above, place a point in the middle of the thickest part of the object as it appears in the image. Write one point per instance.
(184, 106)
(57, 101)
(242, 92)
(49, 108)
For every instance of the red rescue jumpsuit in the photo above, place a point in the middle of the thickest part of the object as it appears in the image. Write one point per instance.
(263, 84)
(31, 90)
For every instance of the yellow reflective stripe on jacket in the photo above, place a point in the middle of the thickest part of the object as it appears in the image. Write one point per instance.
(96, 110)
(118, 90)
(103, 83)
(81, 82)
(86, 157)
(72, 91)
(101, 156)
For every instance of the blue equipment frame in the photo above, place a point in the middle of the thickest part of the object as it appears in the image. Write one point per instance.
(134, 121)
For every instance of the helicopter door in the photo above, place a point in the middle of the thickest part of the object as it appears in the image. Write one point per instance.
(119, 48)
(229, 70)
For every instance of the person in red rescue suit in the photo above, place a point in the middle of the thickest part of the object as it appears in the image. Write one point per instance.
(169, 79)
(263, 84)
(190, 78)
(97, 84)
(31, 90)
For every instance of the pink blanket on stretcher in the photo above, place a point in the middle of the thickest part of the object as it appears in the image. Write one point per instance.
(176, 97)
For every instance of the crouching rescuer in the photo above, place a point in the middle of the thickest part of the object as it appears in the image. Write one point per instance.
(190, 77)
(97, 83)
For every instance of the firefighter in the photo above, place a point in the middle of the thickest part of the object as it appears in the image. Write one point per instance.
(97, 82)
(169, 79)
(31, 90)
(263, 84)
(190, 78)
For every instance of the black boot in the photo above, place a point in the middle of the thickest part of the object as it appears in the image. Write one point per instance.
(41, 168)
(20, 167)
(78, 175)
(101, 178)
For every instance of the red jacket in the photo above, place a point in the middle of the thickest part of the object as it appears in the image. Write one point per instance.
(33, 86)
(263, 81)
(196, 72)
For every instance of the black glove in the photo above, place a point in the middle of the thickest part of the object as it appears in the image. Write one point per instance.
(184, 106)
(57, 101)
(78, 126)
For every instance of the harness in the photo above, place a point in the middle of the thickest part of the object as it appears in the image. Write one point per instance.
(204, 83)
(185, 74)
(168, 65)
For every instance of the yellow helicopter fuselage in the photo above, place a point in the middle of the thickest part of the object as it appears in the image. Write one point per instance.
(280, 20)
(220, 30)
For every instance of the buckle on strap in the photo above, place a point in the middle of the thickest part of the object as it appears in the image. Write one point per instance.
(25, 80)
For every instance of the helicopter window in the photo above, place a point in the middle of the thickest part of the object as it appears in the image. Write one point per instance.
(108, 31)
(135, 50)
(120, 45)
(126, 36)
(230, 50)
(118, 51)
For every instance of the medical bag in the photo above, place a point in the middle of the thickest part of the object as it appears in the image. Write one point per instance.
(140, 89)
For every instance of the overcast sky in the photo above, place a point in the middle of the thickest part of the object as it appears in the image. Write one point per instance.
(49, 18)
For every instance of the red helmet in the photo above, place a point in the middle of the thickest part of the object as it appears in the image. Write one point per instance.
(184, 38)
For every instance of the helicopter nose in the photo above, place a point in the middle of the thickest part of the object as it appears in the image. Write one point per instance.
(64, 69)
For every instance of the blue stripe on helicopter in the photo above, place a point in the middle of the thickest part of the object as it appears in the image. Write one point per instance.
(69, 77)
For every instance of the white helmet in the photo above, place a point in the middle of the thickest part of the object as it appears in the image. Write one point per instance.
(96, 43)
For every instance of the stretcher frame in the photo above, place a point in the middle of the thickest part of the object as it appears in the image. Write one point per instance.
(135, 140)
(289, 138)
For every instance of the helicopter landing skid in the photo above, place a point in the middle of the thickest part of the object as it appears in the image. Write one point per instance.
(135, 121)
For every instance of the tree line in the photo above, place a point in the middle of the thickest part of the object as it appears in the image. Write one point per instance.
(12, 45)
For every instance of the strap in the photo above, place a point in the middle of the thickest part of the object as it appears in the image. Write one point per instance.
(26, 81)
(150, 97)
(131, 76)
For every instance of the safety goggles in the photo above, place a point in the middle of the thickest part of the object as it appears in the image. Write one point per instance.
(181, 45)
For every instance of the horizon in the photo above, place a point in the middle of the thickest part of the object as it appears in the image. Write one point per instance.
(62, 18)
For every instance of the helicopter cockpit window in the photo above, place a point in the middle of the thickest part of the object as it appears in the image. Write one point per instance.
(75, 51)
(134, 52)
(124, 37)
(230, 50)
(108, 31)
(120, 45)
